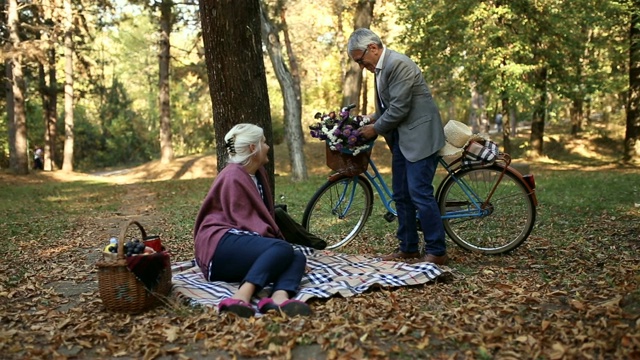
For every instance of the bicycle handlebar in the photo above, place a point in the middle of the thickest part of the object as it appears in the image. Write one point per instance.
(349, 107)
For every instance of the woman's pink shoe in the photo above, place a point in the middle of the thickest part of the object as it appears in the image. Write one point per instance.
(236, 306)
(266, 304)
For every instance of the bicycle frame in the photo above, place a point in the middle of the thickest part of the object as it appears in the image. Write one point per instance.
(478, 207)
(341, 213)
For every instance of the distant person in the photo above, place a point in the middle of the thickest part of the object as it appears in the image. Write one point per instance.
(38, 159)
(236, 235)
(409, 119)
(499, 122)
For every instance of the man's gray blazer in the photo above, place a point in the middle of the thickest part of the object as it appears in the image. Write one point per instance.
(408, 106)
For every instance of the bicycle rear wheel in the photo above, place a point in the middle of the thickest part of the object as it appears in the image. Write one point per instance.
(338, 210)
(502, 226)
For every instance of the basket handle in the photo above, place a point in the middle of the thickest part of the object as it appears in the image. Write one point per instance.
(123, 233)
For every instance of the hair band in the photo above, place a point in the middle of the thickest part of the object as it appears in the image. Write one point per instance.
(231, 147)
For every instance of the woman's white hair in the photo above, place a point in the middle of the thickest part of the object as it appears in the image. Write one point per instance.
(237, 142)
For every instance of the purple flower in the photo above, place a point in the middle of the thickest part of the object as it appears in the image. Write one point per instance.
(339, 126)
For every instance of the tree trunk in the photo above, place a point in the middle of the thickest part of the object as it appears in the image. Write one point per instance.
(577, 116)
(67, 163)
(11, 126)
(292, 100)
(539, 114)
(451, 109)
(19, 161)
(293, 61)
(632, 134)
(49, 88)
(513, 120)
(505, 111)
(506, 122)
(166, 146)
(235, 65)
(576, 112)
(477, 107)
(353, 77)
(365, 90)
(51, 113)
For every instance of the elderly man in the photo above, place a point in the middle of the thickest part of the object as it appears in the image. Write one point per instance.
(409, 119)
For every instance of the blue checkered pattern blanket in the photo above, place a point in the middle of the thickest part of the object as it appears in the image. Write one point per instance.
(329, 273)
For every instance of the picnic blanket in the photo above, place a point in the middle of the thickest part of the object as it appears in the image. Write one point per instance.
(329, 274)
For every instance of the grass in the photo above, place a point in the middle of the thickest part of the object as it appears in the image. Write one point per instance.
(569, 199)
(41, 211)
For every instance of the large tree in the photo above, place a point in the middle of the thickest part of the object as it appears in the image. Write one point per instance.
(67, 162)
(632, 135)
(49, 10)
(290, 88)
(17, 117)
(352, 84)
(166, 21)
(235, 65)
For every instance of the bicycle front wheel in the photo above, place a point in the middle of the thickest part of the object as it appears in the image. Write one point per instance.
(338, 210)
(500, 226)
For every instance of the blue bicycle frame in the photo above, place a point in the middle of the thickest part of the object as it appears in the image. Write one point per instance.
(474, 206)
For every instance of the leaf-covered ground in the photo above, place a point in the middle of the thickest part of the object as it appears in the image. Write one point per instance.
(550, 299)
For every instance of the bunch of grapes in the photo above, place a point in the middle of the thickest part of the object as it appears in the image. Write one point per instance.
(131, 247)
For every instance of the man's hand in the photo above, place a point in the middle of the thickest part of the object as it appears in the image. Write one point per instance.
(368, 132)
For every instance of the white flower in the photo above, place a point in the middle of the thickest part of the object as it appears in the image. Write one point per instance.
(365, 120)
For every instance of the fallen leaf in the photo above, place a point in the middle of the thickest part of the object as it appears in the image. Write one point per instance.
(557, 351)
(171, 333)
(577, 304)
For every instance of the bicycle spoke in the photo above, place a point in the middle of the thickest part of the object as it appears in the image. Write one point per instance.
(339, 209)
(501, 225)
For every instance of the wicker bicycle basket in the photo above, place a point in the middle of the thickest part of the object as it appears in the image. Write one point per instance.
(120, 290)
(346, 163)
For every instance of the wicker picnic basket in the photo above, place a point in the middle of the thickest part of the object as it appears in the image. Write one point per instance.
(120, 290)
(346, 163)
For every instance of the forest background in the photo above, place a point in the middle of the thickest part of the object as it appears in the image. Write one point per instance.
(133, 79)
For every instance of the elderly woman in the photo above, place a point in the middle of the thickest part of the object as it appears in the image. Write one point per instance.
(236, 235)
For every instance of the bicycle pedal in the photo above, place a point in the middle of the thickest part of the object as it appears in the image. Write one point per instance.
(389, 216)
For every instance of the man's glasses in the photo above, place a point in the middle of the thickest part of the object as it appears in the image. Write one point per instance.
(359, 61)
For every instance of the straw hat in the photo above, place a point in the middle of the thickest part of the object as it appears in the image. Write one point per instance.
(457, 136)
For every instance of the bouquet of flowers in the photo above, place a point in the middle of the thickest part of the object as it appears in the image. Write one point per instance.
(342, 131)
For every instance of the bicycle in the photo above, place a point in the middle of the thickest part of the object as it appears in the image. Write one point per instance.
(487, 208)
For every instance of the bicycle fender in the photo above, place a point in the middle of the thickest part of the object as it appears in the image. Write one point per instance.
(518, 174)
(509, 169)
(532, 190)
